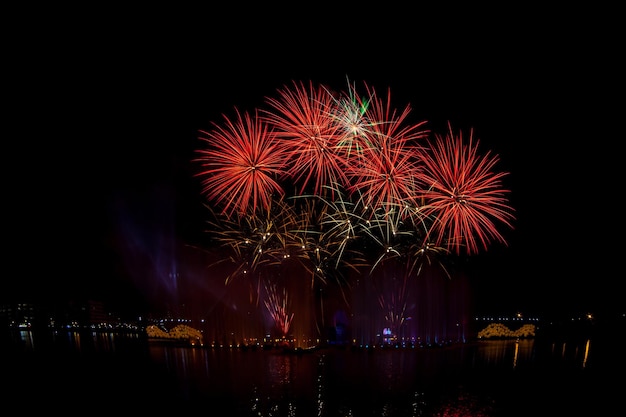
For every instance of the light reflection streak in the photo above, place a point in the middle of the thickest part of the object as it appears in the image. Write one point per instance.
(75, 340)
(26, 336)
(586, 352)
(395, 371)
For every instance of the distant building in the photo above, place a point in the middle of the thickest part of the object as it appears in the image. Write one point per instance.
(17, 315)
(74, 314)
(94, 314)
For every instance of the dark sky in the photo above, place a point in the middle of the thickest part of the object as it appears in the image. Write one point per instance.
(104, 119)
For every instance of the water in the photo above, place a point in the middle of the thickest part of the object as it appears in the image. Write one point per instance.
(107, 373)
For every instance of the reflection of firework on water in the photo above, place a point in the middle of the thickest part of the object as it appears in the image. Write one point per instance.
(464, 194)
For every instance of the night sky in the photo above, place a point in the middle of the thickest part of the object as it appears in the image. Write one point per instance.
(103, 123)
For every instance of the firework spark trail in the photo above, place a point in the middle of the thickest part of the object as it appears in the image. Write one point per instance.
(387, 177)
(241, 163)
(261, 240)
(300, 117)
(316, 243)
(278, 304)
(349, 113)
(389, 170)
(426, 253)
(389, 235)
(341, 223)
(393, 300)
(464, 194)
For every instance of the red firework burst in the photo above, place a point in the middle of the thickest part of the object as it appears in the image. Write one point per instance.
(463, 194)
(241, 165)
(302, 122)
(387, 174)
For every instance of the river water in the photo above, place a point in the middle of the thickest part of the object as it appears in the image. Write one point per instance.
(108, 373)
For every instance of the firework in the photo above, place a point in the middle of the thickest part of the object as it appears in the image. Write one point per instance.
(342, 183)
(393, 300)
(241, 165)
(464, 194)
(258, 241)
(364, 162)
(387, 172)
(388, 235)
(278, 304)
(300, 118)
(354, 126)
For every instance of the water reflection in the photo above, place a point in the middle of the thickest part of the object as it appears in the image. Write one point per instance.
(72, 340)
(577, 352)
(26, 339)
(506, 352)
(483, 378)
(281, 369)
(451, 381)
